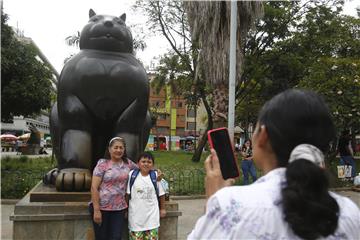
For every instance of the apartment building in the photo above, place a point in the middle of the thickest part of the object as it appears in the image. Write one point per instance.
(177, 125)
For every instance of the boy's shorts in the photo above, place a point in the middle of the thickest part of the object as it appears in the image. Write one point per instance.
(152, 234)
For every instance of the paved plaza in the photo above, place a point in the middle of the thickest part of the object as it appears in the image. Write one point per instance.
(191, 210)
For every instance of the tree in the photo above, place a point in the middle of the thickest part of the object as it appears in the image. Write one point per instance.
(26, 82)
(330, 43)
(178, 68)
(210, 26)
(297, 45)
(265, 70)
(338, 80)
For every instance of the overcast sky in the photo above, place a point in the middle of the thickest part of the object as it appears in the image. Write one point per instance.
(49, 22)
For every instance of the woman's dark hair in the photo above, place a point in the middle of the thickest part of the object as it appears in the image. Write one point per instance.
(291, 118)
(244, 146)
(147, 155)
(111, 143)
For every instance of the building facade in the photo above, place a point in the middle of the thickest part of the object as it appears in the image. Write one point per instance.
(177, 125)
(20, 125)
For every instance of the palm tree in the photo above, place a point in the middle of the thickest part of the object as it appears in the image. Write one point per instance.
(210, 26)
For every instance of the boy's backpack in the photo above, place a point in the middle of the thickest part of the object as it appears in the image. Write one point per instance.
(153, 178)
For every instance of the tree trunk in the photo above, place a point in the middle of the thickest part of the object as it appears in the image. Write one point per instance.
(201, 144)
(221, 99)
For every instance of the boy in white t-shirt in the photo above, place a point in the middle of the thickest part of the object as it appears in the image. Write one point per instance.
(144, 214)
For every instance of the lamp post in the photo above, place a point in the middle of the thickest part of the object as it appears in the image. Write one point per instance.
(232, 69)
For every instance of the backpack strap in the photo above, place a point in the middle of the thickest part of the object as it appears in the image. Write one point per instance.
(154, 181)
(134, 174)
(153, 178)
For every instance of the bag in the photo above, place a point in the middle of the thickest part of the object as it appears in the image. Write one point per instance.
(165, 185)
(153, 178)
(344, 171)
(357, 181)
(341, 171)
(348, 169)
(166, 188)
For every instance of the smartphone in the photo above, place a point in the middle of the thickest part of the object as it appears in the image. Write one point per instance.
(219, 140)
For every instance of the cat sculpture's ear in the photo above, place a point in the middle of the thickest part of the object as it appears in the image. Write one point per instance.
(91, 13)
(123, 17)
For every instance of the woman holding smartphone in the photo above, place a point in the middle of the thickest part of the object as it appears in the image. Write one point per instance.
(291, 201)
(247, 165)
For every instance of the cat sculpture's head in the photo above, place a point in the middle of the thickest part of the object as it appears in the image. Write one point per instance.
(106, 33)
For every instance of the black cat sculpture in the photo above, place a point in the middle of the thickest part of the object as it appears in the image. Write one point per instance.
(103, 91)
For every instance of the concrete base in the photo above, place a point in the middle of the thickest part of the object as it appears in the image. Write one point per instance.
(70, 219)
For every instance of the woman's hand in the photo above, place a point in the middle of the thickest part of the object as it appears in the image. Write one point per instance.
(214, 179)
(97, 217)
(162, 213)
(160, 175)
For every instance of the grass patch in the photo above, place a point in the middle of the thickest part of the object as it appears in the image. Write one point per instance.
(179, 160)
(20, 174)
(184, 176)
(24, 162)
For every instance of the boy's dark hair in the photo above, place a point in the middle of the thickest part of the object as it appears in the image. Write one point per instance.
(147, 155)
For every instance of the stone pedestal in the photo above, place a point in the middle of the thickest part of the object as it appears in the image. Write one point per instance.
(46, 214)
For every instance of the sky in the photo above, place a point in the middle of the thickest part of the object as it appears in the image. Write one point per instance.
(49, 22)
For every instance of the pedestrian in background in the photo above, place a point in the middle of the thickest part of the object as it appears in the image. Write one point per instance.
(247, 165)
(346, 152)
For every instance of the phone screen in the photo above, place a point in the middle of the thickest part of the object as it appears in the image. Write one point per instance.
(219, 140)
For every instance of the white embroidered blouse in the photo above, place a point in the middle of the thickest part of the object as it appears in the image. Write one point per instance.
(254, 212)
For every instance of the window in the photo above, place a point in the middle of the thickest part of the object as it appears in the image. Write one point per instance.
(162, 130)
(162, 116)
(179, 104)
(191, 113)
(180, 131)
(190, 126)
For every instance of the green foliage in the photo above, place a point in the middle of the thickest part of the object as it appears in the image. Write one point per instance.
(268, 69)
(178, 68)
(338, 80)
(27, 163)
(20, 174)
(303, 44)
(25, 81)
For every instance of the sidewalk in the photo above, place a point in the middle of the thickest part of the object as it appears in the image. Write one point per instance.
(191, 210)
(13, 154)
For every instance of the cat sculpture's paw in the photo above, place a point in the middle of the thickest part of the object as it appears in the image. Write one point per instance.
(73, 180)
